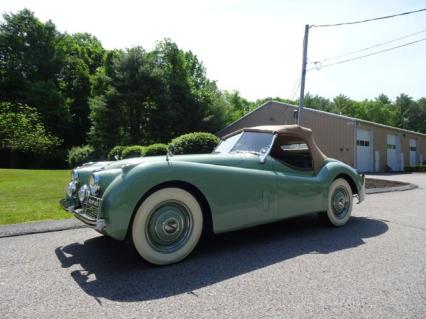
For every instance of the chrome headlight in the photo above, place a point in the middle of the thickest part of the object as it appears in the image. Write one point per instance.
(94, 186)
(74, 175)
(83, 193)
(71, 188)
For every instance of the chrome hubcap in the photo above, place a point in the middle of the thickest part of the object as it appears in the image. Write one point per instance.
(169, 226)
(340, 202)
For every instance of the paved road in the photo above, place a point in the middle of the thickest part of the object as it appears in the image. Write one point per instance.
(375, 267)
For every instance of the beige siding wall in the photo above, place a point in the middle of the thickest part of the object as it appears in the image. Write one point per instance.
(334, 135)
(422, 148)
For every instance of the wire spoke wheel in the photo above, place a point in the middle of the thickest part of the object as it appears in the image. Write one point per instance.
(339, 206)
(340, 202)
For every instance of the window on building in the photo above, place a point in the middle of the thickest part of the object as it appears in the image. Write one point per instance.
(391, 147)
(362, 143)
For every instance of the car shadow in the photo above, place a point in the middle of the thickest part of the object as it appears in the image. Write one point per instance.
(105, 268)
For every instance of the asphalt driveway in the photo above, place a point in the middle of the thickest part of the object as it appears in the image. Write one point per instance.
(373, 267)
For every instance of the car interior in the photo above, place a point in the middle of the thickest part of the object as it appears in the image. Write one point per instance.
(293, 152)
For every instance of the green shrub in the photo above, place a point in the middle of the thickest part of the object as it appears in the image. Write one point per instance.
(418, 168)
(133, 151)
(79, 155)
(156, 149)
(116, 152)
(194, 143)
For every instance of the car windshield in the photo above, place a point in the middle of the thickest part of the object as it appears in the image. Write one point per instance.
(250, 142)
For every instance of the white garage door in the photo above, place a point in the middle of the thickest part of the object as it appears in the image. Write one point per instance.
(392, 152)
(363, 150)
(413, 152)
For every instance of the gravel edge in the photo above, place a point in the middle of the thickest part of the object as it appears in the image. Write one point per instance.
(390, 189)
(40, 227)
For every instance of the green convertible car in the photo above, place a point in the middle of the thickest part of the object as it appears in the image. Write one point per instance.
(254, 176)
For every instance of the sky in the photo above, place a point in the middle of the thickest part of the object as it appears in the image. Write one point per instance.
(255, 47)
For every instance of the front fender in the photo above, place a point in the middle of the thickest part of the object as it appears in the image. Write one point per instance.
(124, 193)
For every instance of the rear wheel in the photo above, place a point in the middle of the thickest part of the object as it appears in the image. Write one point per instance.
(167, 226)
(340, 201)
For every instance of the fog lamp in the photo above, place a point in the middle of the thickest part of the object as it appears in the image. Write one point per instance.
(83, 193)
(71, 189)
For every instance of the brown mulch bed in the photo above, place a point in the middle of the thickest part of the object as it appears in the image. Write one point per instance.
(381, 183)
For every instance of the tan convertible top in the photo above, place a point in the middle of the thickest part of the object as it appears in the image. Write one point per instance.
(304, 133)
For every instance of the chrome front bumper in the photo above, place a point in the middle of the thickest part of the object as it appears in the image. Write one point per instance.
(89, 213)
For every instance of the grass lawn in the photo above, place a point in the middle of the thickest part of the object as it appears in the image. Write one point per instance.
(30, 195)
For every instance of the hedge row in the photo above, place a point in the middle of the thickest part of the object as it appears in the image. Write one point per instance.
(194, 143)
(418, 168)
(191, 143)
(79, 155)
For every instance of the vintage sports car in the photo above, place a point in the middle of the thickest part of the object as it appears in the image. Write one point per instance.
(257, 175)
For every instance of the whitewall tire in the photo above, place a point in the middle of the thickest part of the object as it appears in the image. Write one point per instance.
(167, 226)
(339, 203)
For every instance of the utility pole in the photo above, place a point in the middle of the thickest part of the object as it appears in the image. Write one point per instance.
(302, 78)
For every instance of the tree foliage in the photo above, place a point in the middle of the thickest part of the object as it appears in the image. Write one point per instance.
(21, 130)
(83, 94)
(152, 96)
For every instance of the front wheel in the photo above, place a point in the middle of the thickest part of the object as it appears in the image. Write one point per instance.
(339, 206)
(167, 226)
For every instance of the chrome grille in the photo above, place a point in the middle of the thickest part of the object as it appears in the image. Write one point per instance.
(92, 207)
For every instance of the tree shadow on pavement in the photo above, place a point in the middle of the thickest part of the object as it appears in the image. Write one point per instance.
(105, 268)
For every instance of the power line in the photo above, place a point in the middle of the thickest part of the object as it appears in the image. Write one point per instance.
(367, 55)
(295, 90)
(366, 20)
(367, 48)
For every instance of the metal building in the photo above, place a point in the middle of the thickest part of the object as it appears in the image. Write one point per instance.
(367, 146)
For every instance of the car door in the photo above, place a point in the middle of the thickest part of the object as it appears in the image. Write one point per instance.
(298, 189)
(241, 196)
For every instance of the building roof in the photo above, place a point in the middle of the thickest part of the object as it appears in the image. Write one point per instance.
(321, 112)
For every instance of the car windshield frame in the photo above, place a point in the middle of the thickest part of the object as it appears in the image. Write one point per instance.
(240, 143)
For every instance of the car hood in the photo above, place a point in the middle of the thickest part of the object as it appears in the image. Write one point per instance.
(214, 159)
(127, 164)
(108, 171)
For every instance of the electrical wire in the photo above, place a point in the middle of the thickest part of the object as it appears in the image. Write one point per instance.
(296, 88)
(366, 20)
(366, 55)
(367, 48)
